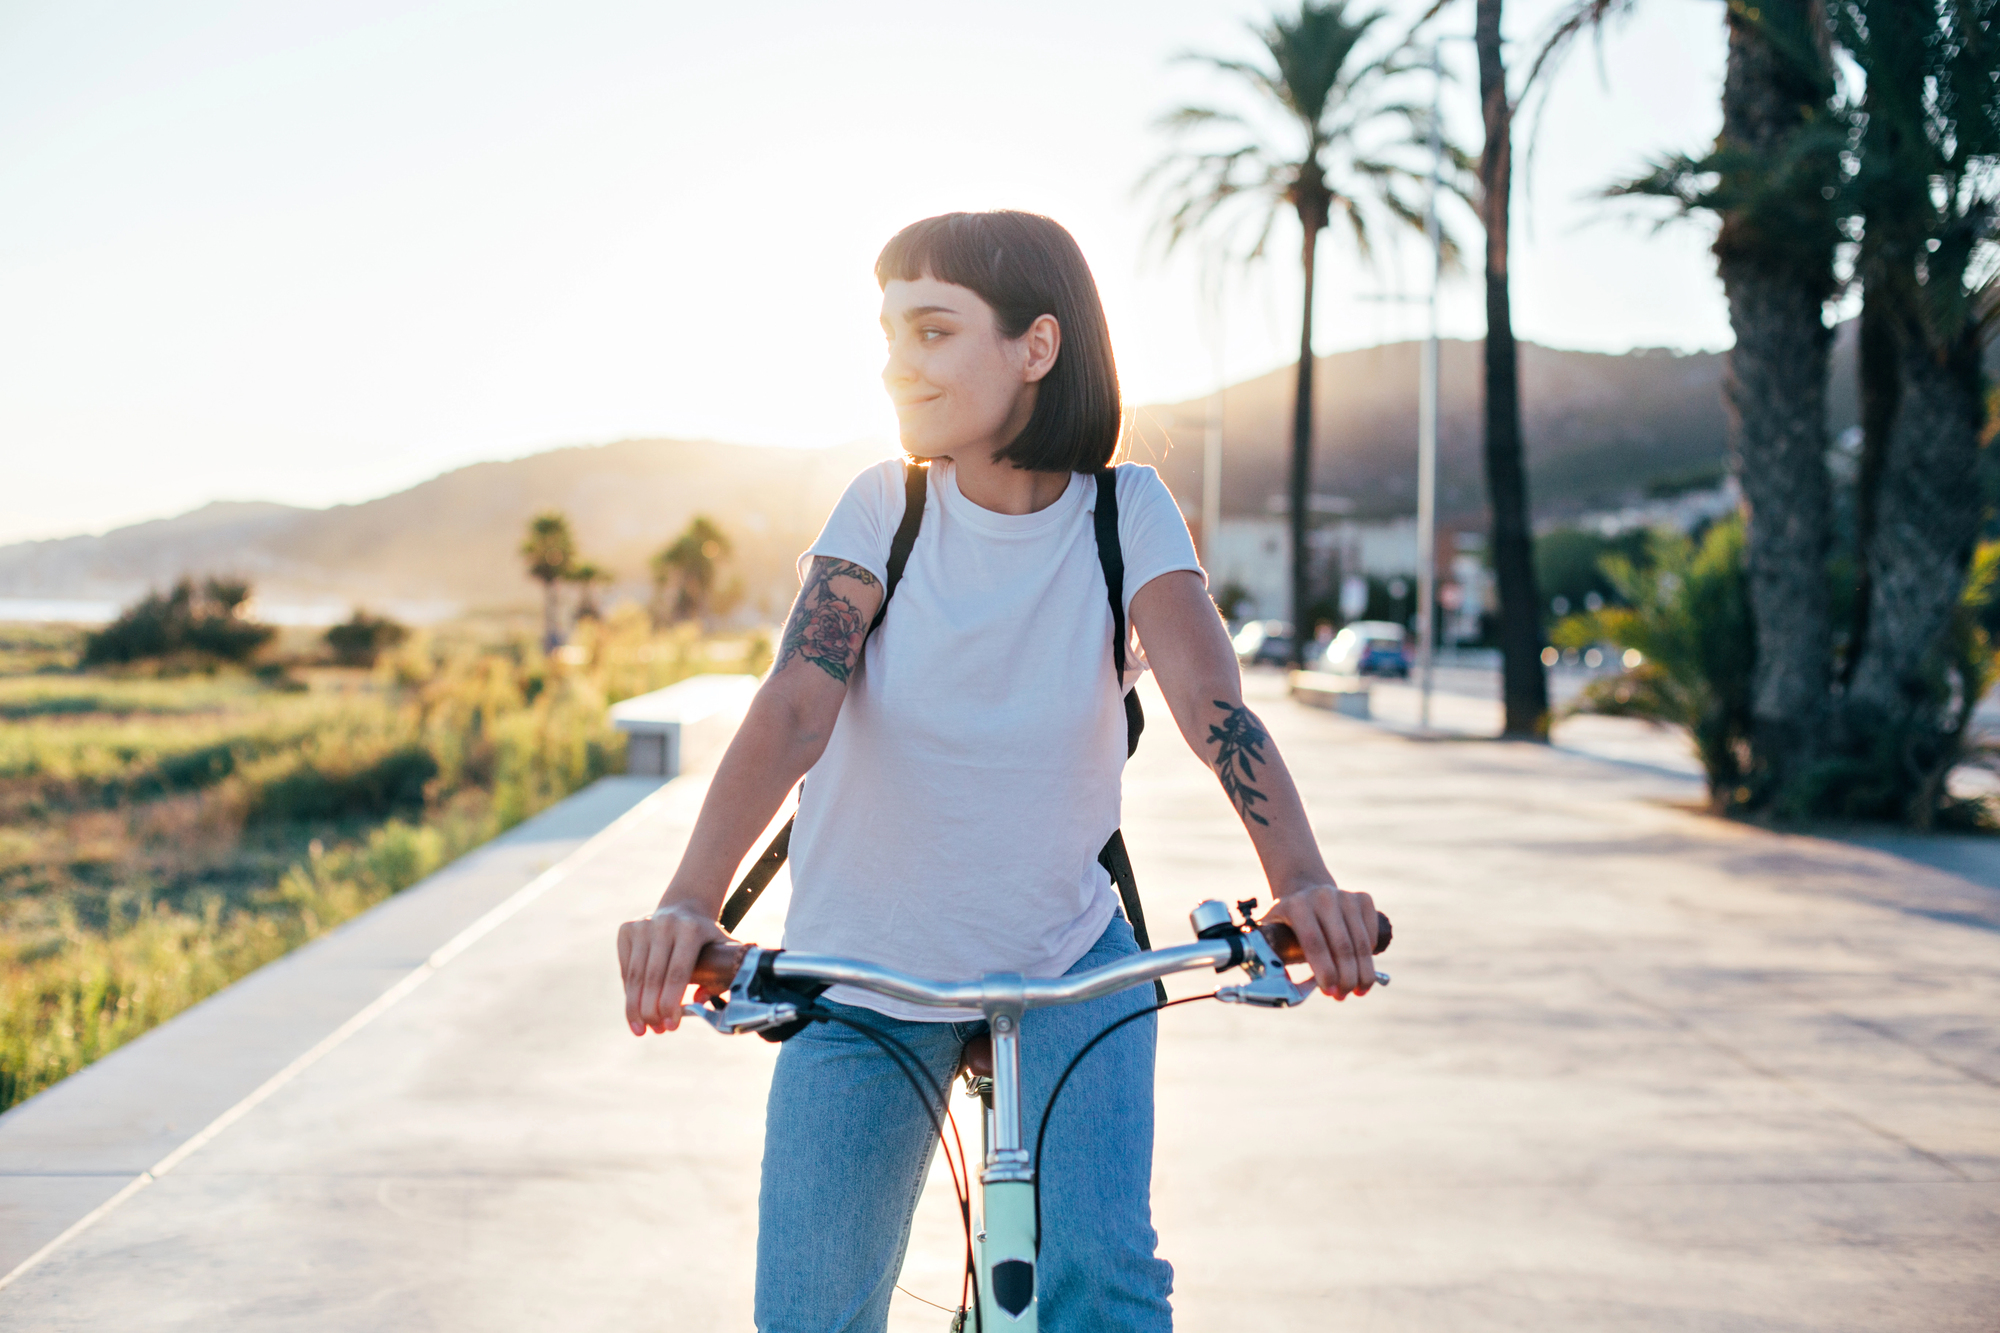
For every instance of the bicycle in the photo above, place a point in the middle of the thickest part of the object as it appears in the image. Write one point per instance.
(755, 989)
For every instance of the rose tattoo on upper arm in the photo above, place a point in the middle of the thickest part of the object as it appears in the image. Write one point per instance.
(825, 628)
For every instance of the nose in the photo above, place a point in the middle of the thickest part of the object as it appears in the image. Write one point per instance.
(896, 371)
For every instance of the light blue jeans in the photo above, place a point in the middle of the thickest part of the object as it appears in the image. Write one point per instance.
(847, 1147)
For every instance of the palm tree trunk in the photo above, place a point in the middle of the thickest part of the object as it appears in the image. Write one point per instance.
(551, 634)
(1881, 387)
(1774, 386)
(1927, 514)
(1524, 683)
(1302, 445)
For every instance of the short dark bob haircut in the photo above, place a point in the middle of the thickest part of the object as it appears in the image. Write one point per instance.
(1025, 266)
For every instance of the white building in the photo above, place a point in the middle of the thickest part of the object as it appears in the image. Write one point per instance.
(1255, 555)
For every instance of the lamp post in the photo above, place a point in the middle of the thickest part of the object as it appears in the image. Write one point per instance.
(1427, 417)
(1211, 442)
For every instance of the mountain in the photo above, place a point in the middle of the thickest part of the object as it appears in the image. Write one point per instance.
(1597, 427)
(453, 539)
(1600, 430)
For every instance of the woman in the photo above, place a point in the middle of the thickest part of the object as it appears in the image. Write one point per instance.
(964, 763)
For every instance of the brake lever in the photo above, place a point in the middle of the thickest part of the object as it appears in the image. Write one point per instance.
(739, 1011)
(1269, 987)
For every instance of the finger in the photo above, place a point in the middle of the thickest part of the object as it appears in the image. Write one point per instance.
(1312, 942)
(1360, 914)
(679, 973)
(1341, 941)
(657, 957)
(632, 950)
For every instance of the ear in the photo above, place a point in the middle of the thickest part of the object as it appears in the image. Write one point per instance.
(1040, 344)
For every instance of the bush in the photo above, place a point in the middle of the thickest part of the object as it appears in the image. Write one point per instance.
(1687, 612)
(1569, 564)
(336, 787)
(362, 638)
(183, 623)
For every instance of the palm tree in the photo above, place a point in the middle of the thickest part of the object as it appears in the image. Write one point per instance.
(690, 564)
(1771, 180)
(1329, 163)
(1926, 145)
(586, 576)
(550, 551)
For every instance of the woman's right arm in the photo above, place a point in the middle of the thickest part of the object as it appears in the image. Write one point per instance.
(782, 736)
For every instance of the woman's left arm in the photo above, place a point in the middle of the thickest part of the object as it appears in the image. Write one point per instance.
(1190, 653)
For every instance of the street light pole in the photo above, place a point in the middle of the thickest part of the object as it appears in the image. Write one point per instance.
(1427, 418)
(1211, 445)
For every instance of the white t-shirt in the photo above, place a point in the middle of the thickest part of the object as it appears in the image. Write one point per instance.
(952, 826)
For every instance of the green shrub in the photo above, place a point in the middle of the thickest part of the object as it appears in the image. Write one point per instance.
(183, 623)
(363, 638)
(1687, 612)
(317, 789)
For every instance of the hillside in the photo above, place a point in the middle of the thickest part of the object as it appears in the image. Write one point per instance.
(1597, 428)
(453, 538)
(1600, 429)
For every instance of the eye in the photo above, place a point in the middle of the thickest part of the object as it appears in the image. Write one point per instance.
(928, 334)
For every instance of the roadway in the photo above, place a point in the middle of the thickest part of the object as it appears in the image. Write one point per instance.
(1639, 1068)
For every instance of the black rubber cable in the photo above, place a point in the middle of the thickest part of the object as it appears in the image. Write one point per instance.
(932, 1097)
(1049, 1110)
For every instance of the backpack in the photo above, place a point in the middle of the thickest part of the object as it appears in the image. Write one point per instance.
(1111, 558)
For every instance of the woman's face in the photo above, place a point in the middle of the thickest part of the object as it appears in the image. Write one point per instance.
(957, 381)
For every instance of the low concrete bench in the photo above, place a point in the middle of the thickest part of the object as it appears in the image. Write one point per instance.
(683, 728)
(1346, 695)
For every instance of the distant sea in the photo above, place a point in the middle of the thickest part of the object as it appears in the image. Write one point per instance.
(34, 610)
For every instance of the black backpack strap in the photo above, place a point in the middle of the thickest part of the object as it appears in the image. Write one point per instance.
(764, 869)
(915, 480)
(1111, 555)
(759, 876)
(1118, 864)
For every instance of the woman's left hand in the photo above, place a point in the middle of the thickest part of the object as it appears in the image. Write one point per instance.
(1337, 931)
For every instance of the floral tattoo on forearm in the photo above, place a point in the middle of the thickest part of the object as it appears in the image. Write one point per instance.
(1241, 739)
(825, 628)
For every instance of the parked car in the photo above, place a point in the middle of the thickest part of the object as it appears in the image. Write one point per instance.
(1268, 642)
(1369, 648)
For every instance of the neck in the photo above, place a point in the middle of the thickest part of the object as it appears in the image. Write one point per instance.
(1004, 488)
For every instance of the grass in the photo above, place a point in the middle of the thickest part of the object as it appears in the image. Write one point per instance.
(160, 838)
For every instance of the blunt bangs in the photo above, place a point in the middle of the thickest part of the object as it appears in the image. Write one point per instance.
(1025, 266)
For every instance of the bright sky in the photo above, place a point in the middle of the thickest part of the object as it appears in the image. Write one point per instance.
(318, 250)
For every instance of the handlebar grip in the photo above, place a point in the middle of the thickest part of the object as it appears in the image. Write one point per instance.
(716, 967)
(1287, 944)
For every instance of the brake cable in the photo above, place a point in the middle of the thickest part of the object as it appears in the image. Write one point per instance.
(1049, 1109)
(932, 1096)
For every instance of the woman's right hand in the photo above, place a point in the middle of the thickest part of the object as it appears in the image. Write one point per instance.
(657, 955)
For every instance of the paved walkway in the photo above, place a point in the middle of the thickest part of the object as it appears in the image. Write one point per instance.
(1639, 1070)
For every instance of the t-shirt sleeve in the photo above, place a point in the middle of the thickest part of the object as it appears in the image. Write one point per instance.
(1151, 531)
(863, 525)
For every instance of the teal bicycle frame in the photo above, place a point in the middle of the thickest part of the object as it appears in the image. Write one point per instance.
(1004, 1240)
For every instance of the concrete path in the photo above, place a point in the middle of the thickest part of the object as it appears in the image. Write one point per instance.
(1639, 1069)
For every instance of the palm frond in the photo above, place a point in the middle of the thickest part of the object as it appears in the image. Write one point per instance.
(1185, 118)
(1312, 69)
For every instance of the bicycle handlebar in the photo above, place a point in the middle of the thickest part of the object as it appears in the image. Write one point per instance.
(719, 963)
